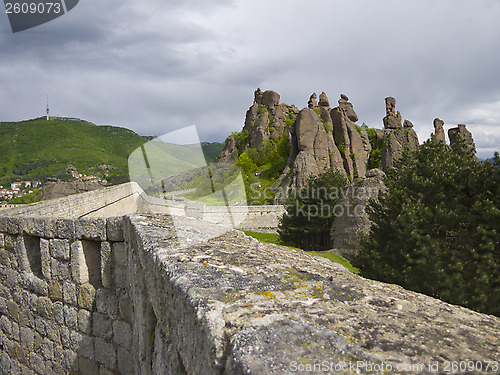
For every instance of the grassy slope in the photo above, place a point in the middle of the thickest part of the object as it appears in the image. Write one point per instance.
(274, 238)
(39, 148)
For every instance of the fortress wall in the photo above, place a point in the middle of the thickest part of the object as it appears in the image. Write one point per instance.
(119, 295)
(252, 218)
(64, 300)
(112, 201)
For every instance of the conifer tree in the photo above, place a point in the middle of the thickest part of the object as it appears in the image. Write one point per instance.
(310, 212)
(437, 229)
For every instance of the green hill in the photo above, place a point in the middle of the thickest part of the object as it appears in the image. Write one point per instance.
(37, 149)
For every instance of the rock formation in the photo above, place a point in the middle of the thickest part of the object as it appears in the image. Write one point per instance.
(323, 101)
(322, 137)
(353, 220)
(462, 132)
(439, 130)
(397, 138)
(392, 119)
(312, 103)
(230, 152)
(265, 119)
(407, 124)
(57, 189)
(351, 140)
(312, 149)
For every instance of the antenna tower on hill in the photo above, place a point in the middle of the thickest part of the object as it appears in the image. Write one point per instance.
(48, 108)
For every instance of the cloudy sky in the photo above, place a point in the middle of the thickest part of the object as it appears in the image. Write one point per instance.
(159, 65)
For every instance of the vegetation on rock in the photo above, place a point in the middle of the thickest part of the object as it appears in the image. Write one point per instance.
(261, 168)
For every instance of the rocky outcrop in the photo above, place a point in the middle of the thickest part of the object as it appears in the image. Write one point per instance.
(265, 119)
(353, 220)
(313, 149)
(323, 101)
(352, 140)
(230, 152)
(392, 119)
(396, 137)
(462, 132)
(439, 130)
(322, 137)
(312, 103)
(58, 189)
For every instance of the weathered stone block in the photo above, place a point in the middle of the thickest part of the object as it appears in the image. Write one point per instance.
(59, 269)
(105, 354)
(59, 249)
(121, 277)
(91, 229)
(5, 363)
(65, 228)
(34, 284)
(102, 326)
(120, 253)
(26, 370)
(53, 331)
(75, 339)
(37, 342)
(71, 317)
(86, 296)
(58, 369)
(24, 264)
(122, 334)
(107, 267)
(47, 349)
(114, 229)
(15, 331)
(69, 293)
(26, 318)
(58, 309)
(9, 225)
(2, 241)
(40, 326)
(10, 241)
(86, 347)
(106, 302)
(125, 307)
(88, 366)
(34, 226)
(71, 359)
(37, 363)
(79, 269)
(3, 306)
(85, 321)
(27, 336)
(125, 360)
(6, 326)
(44, 307)
(65, 341)
(55, 290)
(59, 354)
(45, 258)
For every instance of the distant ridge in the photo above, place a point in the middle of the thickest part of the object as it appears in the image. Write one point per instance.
(37, 149)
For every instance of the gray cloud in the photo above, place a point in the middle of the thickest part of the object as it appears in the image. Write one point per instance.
(159, 65)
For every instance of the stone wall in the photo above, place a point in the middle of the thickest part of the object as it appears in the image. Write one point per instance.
(252, 218)
(64, 300)
(115, 200)
(119, 295)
